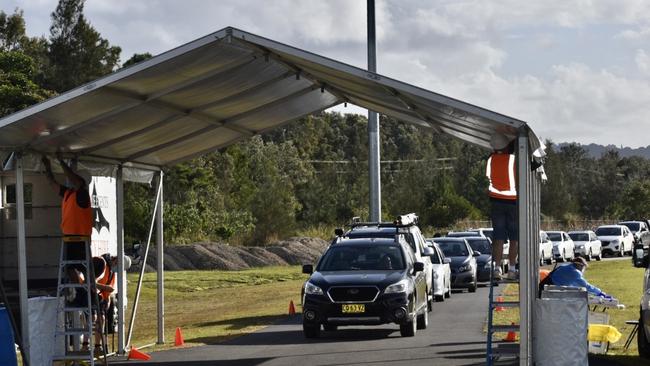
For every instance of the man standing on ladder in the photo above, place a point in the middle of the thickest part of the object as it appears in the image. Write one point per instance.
(76, 212)
(503, 198)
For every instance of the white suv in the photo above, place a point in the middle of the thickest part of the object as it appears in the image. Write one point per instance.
(563, 247)
(616, 239)
(587, 244)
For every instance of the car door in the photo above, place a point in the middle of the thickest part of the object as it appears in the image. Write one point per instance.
(419, 279)
(446, 269)
(628, 239)
(428, 267)
(595, 243)
(569, 244)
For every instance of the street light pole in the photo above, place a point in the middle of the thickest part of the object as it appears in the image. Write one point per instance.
(373, 127)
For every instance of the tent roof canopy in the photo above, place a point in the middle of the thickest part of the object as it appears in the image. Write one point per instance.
(220, 89)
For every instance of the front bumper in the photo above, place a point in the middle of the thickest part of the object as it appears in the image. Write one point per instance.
(483, 274)
(462, 279)
(581, 251)
(611, 248)
(380, 311)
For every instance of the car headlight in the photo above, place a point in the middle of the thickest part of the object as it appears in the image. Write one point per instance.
(487, 265)
(615, 241)
(580, 246)
(312, 289)
(398, 287)
(464, 268)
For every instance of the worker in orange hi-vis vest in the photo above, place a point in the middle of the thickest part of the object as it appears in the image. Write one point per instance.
(76, 212)
(501, 171)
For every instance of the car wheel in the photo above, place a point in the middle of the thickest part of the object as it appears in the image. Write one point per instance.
(600, 255)
(448, 293)
(620, 252)
(440, 298)
(423, 320)
(642, 341)
(589, 255)
(408, 328)
(311, 330)
(430, 302)
(472, 288)
(330, 327)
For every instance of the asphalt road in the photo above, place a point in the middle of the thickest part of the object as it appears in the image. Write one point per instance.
(454, 337)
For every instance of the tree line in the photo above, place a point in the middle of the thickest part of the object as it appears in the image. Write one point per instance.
(313, 172)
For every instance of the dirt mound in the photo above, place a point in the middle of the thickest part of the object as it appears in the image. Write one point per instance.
(220, 256)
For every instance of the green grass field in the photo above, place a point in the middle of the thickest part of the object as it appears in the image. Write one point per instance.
(211, 306)
(618, 278)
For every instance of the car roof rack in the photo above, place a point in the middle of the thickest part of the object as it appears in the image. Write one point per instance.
(401, 221)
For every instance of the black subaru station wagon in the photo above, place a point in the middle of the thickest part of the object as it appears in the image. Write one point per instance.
(368, 281)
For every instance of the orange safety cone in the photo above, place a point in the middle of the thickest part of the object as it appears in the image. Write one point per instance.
(292, 308)
(178, 340)
(134, 354)
(499, 308)
(511, 336)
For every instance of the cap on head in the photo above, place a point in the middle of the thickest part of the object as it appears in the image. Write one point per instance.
(499, 141)
(581, 261)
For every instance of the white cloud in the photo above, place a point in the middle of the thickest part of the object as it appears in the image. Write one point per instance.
(642, 60)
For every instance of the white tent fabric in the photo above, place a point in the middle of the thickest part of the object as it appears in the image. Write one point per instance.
(220, 89)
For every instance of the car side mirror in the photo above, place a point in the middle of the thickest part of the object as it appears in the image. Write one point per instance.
(428, 251)
(338, 231)
(307, 269)
(447, 260)
(476, 254)
(418, 267)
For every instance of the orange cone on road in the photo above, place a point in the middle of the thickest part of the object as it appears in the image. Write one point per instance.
(178, 340)
(292, 308)
(511, 336)
(499, 308)
(134, 354)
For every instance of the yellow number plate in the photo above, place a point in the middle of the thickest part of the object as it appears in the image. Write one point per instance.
(353, 308)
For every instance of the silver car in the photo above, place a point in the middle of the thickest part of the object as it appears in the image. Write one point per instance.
(441, 273)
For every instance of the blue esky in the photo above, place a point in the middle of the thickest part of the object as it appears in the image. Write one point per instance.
(575, 70)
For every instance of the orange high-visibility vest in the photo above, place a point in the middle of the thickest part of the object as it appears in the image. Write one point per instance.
(75, 220)
(501, 173)
(106, 279)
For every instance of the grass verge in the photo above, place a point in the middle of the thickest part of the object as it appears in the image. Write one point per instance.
(212, 306)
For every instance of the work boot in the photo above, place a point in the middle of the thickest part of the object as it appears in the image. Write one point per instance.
(513, 274)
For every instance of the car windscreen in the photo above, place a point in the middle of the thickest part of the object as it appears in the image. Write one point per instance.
(362, 257)
(633, 226)
(579, 236)
(554, 236)
(453, 248)
(463, 234)
(608, 231)
(480, 245)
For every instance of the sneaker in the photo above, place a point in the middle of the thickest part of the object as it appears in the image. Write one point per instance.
(513, 275)
(497, 274)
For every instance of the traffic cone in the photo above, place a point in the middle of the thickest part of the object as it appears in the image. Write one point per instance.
(292, 308)
(134, 354)
(178, 340)
(511, 336)
(499, 308)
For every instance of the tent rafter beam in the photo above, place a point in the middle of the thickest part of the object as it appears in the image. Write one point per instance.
(226, 123)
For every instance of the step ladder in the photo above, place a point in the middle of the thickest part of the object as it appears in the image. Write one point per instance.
(503, 351)
(77, 318)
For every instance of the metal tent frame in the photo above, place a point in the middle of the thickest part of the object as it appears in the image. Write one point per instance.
(226, 87)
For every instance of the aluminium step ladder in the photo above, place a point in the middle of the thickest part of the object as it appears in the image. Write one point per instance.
(503, 351)
(77, 318)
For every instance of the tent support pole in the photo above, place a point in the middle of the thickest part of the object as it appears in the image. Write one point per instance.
(525, 265)
(22, 257)
(143, 265)
(121, 285)
(160, 263)
(373, 126)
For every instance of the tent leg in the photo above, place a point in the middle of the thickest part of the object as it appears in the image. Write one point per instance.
(143, 266)
(121, 285)
(160, 264)
(22, 257)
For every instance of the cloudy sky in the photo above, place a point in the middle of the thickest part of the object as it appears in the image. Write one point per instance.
(575, 70)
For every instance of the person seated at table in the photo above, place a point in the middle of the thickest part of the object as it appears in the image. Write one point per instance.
(572, 275)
